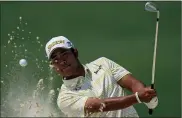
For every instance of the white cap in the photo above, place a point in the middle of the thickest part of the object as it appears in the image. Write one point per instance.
(57, 42)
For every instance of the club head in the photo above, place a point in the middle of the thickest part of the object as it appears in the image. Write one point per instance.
(151, 7)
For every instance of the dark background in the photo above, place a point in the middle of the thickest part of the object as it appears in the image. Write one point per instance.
(121, 31)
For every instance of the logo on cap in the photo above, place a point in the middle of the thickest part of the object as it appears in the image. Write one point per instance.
(55, 43)
(69, 44)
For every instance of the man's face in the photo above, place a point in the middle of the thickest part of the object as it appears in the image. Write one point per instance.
(64, 61)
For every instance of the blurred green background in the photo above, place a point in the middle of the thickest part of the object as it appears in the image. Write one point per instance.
(121, 31)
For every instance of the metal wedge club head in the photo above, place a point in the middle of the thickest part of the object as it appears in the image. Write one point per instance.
(151, 7)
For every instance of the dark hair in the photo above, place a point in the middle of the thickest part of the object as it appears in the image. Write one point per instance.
(73, 51)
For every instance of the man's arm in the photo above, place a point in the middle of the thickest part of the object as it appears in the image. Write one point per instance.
(131, 83)
(116, 103)
(123, 77)
(109, 104)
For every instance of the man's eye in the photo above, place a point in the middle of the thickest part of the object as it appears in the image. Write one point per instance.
(53, 56)
(63, 54)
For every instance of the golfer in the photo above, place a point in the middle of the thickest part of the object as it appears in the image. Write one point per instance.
(95, 89)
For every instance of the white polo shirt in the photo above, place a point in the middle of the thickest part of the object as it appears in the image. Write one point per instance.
(100, 81)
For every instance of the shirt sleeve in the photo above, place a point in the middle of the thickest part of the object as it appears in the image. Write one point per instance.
(117, 71)
(71, 105)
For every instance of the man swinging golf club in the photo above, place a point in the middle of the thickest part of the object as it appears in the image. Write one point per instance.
(96, 89)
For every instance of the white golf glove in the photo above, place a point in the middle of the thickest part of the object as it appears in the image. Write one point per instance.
(153, 103)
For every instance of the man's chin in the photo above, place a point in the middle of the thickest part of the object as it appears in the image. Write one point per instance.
(67, 73)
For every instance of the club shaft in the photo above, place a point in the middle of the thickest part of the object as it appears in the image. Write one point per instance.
(154, 56)
(155, 49)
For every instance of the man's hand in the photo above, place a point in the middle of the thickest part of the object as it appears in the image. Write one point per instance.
(146, 94)
(153, 103)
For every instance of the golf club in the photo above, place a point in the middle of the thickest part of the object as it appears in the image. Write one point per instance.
(151, 7)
